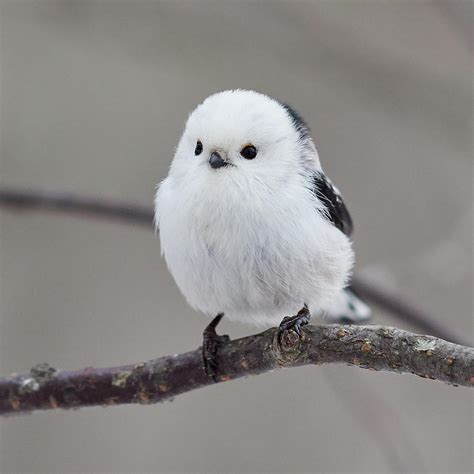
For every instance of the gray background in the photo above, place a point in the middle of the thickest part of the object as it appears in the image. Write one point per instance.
(94, 99)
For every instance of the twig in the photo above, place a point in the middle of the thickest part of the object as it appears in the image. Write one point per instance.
(74, 204)
(370, 347)
(19, 199)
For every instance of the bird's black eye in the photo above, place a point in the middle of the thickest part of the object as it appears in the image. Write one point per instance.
(198, 149)
(249, 152)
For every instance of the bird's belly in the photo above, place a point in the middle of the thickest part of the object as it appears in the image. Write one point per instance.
(254, 270)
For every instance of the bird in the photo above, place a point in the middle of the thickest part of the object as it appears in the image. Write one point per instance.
(250, 225)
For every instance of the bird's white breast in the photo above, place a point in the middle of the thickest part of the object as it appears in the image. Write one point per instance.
(254, 253)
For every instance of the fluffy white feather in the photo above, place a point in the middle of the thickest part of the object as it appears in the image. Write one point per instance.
(251, 239)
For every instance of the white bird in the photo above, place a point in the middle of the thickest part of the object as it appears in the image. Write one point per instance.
(250, 226)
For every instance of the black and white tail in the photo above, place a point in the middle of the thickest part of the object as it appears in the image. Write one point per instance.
(348, 308)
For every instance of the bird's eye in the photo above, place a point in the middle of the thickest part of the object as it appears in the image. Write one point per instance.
(198, 149)
(249, 152)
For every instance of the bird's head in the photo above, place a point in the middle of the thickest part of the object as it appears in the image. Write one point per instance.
(239, 135)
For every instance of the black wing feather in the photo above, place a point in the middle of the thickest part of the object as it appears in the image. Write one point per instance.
(336, 209)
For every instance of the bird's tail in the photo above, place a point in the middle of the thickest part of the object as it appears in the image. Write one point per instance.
(348, 308)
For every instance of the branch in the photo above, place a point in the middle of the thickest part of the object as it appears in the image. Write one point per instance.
(19, 199)
(369, 347)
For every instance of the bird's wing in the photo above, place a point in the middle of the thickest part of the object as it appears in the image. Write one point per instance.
(336, 210)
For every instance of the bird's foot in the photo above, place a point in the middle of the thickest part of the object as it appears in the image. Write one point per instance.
(210, 345)
(295, 323)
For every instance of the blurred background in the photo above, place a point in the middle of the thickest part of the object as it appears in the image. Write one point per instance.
(94, 99)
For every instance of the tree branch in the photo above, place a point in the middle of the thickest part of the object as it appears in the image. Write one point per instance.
(70, 203)
(370, 347)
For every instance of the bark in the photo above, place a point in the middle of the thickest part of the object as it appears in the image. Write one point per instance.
(369, 347)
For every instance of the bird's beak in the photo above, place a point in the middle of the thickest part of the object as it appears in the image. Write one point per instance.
(216, 161)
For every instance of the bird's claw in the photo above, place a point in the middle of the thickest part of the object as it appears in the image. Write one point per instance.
(295, 323)
(210, 345)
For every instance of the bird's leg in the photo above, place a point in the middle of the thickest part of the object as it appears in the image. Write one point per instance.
(295, 323)
(210, 344)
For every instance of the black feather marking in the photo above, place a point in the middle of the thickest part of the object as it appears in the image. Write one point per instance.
(336, 209)
(298, 122)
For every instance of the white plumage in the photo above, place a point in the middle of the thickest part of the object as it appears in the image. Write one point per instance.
(251, 239)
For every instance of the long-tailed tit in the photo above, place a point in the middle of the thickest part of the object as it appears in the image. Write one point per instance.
(250, 226)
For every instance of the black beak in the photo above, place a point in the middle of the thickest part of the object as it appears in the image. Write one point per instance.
(216, 161)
